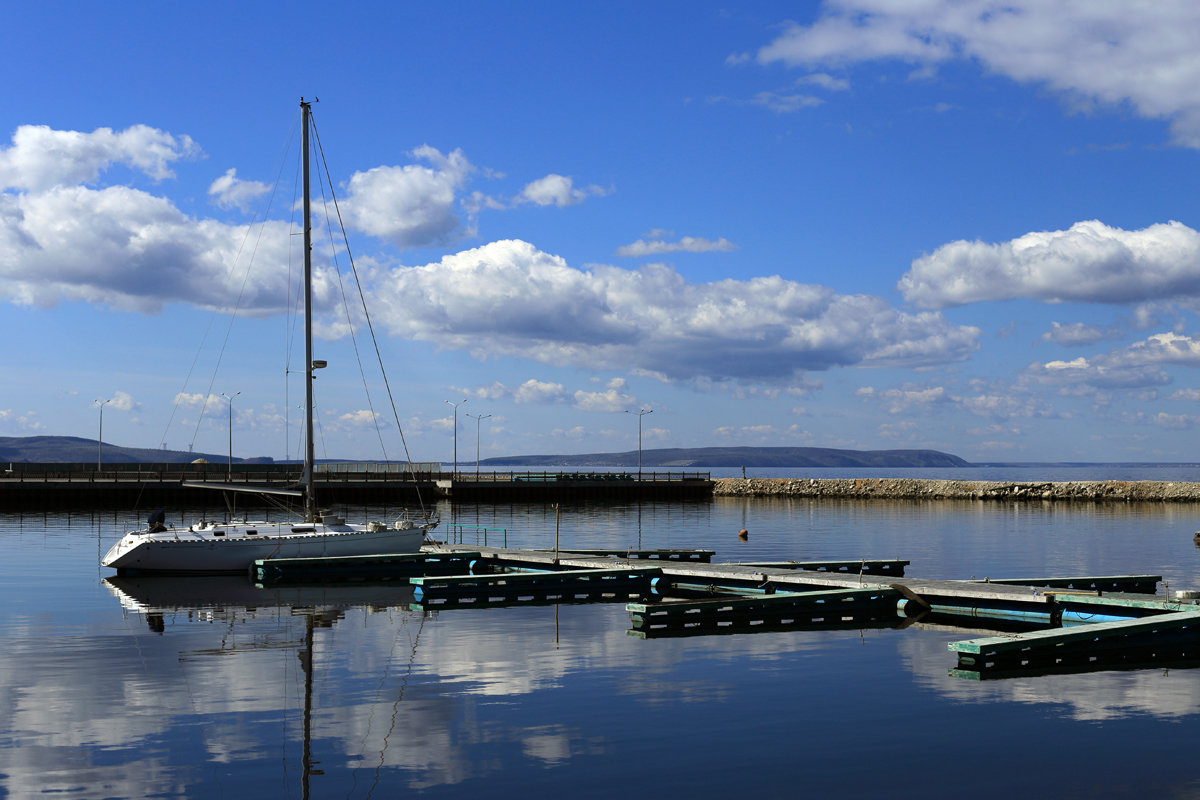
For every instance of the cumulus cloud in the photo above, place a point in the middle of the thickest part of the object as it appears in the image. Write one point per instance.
(557, 190)
(687, 244)
(1090, 262)
(41, 158)
(123, 401)
(612, 398)
(228, 191)
(1097, 52)
(1076, 334)
(411, 205)
(132, 250)
(62, 240)
(1139, 365)
(361, 418)
(508, 298)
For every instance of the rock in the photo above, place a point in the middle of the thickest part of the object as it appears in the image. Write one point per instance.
(900, 488)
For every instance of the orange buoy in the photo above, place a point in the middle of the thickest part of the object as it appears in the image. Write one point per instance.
(743, 534)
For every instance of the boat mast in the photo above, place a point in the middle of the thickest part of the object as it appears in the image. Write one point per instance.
(310, 500)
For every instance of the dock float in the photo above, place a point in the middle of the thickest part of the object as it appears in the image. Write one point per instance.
(347, 569)
(863, 566)
(507, 588)
(1137, 584)
(845, 608)
(698, 556)
(1051, 624)
(1172, 635)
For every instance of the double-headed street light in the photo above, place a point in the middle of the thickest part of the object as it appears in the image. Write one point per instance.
(478, 418)
(229, 472)
(455, 406)
(640, 414)
(100, 437)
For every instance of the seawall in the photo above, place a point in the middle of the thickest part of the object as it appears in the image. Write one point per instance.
(920, 489)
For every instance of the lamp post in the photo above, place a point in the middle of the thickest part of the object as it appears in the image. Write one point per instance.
(640, 414)
(229, 469)
(100, 437)
(478, 418)
(455, 406)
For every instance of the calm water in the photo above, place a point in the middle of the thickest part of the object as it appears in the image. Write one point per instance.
(225, 690)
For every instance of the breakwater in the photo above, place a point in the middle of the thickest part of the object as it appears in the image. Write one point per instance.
(923, 489)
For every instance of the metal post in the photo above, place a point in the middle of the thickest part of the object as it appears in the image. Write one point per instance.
(640, 414)
(229, 469)
(100, 437)
(454, 474)
(478, 418)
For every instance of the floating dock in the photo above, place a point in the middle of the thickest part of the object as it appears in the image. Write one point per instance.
(1035, 625)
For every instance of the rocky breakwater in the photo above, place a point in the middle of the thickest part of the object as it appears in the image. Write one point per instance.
(919, 489)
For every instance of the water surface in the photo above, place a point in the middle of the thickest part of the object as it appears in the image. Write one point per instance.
(205, 688)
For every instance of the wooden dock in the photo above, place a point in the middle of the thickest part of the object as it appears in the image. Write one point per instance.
(1037, 625)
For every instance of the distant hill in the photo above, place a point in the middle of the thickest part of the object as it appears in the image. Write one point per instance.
(742, 457)
(75, 450)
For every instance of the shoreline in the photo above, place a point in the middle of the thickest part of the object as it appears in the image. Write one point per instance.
(927, 489)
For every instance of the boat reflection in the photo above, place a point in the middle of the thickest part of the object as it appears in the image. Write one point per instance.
(237, 601)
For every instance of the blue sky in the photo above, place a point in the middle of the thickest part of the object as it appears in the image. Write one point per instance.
(968, 226)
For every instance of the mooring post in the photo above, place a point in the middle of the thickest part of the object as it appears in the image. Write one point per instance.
(556, 534)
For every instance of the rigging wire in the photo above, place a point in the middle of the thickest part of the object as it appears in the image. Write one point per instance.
(346, 305)
(370, 325)
(264, 211)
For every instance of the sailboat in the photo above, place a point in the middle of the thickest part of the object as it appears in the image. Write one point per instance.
(233, 546)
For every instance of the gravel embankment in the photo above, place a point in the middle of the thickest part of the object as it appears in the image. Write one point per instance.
(910, 488)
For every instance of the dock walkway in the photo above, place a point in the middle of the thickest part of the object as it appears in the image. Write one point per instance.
(1051, 623)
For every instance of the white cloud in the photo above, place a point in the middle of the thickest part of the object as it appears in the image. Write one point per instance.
(228, 191)
(782, 103)
(535, 391)
(557, 190)
(1108, 53)
(124, 247)
(1090, 262)
(42, 158)
(1075, 334)
(411, 205)
(825, 81)
(508, 298)
(1137, 366)
(123, 401)
(686, 244)
(362, 418)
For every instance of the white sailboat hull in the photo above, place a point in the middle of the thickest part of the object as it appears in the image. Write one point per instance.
(234, 547)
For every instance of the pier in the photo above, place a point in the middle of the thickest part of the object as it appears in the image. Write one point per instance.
(149, 486)
(1025, 625)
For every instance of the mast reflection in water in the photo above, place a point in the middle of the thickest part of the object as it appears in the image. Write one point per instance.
(202, 688)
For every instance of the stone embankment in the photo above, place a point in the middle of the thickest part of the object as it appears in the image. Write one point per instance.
(918, 489)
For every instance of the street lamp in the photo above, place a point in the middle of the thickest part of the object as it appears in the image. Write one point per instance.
(455, 406)
(100, 437)
(478, 418)
(229, 473)
(640, 414)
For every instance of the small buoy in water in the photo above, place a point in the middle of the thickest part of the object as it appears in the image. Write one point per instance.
(743, 534)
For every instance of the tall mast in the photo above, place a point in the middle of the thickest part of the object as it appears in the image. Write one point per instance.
(310, 500)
